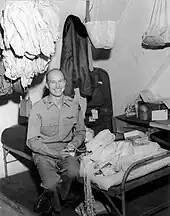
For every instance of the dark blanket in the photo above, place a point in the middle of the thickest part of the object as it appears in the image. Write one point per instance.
(15, 137)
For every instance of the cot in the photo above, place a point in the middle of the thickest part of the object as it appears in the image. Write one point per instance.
(13, 141)
(119, 190)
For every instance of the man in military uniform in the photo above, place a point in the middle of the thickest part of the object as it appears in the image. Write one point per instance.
(55, 127)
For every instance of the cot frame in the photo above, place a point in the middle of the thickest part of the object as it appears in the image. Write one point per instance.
(115, 191)
(125, 186)
(6, 151)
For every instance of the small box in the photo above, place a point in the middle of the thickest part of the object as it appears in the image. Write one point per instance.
(159, 115)
(136, 137)
(148, 113)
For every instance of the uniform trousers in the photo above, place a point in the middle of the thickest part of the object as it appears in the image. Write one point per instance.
(57, 176)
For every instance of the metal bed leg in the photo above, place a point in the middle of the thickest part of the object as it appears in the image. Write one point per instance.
(5, 153)
(123, 204)
(113, 206)
(134, 166)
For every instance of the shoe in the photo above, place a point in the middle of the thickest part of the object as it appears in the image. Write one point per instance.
(52, 213)
(56, 214)
(43, 203)
(69, 211)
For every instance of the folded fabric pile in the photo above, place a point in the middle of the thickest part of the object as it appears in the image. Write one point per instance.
(106, 160)
(105, 153)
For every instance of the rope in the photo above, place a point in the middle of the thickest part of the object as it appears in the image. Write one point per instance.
(89, 199)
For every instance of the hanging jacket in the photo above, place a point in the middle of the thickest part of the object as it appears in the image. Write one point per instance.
(74, 57)
(100, 101)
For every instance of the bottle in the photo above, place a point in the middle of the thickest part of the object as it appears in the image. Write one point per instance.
(25, 106)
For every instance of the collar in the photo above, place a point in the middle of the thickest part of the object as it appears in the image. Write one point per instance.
(66, 101)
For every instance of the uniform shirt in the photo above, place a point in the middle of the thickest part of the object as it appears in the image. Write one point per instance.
(50, 129)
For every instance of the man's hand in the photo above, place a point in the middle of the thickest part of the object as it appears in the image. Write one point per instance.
(62, 154)
(70, 147)
(67, 151)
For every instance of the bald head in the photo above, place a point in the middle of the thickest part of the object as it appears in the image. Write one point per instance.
(55, 82)
(54, 73)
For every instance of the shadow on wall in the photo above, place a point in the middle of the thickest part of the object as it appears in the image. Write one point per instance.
(37, 80)
(155, 47)
(14, 97)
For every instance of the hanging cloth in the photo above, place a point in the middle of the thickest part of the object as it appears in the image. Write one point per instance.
(30, 31)
(101, 33)
(5, 84)
(156, 35)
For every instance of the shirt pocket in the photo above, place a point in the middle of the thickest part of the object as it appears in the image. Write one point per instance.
(68, 124)
(69, 120)
(49, 130)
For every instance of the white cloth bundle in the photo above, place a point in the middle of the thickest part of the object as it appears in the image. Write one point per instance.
(30, 32)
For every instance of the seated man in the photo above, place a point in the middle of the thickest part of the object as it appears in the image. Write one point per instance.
(55, 126)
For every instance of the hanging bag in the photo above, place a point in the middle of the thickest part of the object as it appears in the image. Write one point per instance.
(156, 35)
(101, 33)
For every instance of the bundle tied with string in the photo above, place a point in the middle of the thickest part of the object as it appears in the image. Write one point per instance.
(101, 33)
(157, 33)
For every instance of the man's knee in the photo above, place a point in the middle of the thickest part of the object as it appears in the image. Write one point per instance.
(73, 172)
(48, 172)
(69, 167)
(51, 184)
(73, 167)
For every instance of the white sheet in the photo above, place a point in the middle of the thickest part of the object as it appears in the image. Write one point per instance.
(104, 182)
